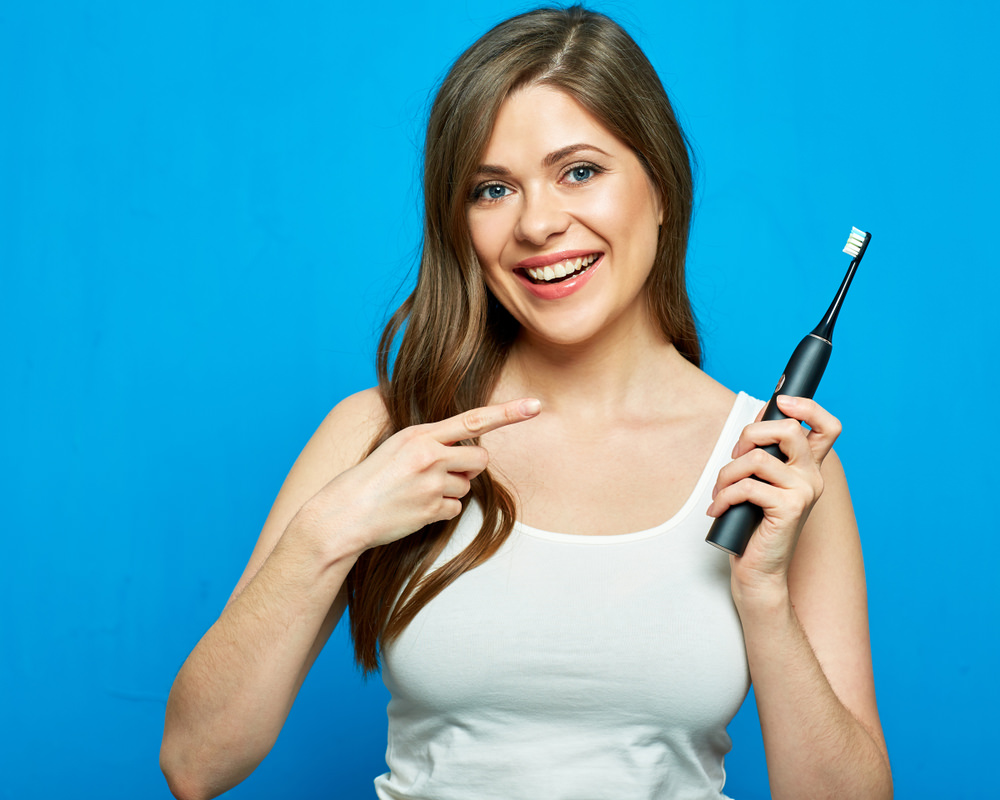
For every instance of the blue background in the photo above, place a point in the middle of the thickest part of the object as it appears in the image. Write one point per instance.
(207, 210)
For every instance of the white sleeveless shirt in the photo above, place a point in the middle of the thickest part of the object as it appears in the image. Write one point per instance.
(570, 666)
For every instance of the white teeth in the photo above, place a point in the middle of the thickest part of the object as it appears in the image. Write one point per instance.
(562, 268)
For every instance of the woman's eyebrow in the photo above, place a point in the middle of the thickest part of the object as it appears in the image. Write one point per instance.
(564, 152)
(484, 170)
(494, 170)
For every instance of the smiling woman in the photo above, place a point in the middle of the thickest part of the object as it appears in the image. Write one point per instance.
(515, 517)
(594, 198)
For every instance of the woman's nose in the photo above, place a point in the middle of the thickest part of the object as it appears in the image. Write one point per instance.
(541, 217)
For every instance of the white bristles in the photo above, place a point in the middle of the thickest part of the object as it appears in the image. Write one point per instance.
(854, 242)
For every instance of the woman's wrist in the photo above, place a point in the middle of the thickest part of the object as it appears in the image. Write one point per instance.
(330, 542)
(761, 594)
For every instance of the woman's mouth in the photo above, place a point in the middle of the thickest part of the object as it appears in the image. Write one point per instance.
(560, 271)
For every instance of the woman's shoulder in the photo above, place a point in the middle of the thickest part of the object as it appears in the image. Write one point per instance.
(361, 407)
(342, 440)
(706, 396)
(352, 425)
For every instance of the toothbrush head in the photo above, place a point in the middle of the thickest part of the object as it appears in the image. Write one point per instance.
(856, 243)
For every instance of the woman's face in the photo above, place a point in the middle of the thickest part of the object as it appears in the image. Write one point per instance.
(564, 219)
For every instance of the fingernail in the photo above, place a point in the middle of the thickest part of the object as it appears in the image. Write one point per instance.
(788, 400)
(530, 407)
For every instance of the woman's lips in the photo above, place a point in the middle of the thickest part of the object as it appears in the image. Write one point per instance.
(552, 258)
(560, 270)
(588, 261)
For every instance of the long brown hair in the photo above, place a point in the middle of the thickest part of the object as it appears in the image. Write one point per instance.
(453, 335)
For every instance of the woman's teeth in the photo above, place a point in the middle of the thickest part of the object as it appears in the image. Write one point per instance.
(564, 269)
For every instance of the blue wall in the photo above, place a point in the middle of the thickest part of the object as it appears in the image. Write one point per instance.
(206, 211)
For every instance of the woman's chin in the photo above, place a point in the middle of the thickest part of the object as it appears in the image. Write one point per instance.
(570, 335)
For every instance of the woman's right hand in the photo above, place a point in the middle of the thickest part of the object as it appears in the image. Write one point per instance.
(415, 477)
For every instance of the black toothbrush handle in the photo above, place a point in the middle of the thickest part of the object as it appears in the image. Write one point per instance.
(732, 531)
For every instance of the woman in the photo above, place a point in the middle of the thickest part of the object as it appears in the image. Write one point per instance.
(516, 516)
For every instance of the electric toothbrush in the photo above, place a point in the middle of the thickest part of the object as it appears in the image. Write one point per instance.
(801, 377)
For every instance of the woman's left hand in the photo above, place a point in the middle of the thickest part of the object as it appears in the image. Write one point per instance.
(786, 491)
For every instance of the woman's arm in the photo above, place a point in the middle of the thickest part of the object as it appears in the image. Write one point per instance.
(800, 592)
(233, 694)
(231, 697)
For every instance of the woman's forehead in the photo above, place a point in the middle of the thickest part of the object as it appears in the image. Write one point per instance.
(538, 121)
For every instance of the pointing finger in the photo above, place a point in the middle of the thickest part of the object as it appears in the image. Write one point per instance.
(470, 424)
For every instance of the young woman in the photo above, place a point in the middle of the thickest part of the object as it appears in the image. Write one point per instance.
(516, 515)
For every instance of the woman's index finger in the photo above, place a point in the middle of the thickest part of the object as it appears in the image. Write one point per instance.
(477, 421)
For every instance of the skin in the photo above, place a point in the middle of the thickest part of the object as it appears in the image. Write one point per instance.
(627, 426)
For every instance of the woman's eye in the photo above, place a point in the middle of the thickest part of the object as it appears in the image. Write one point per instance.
(491, 191)
(581, 173)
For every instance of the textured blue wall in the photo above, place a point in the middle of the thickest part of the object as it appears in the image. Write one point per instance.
(206, 210)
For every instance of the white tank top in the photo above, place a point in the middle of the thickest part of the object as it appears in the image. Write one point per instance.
(570, 666)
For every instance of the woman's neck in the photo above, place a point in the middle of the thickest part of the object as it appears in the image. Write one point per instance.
(625, 375)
